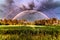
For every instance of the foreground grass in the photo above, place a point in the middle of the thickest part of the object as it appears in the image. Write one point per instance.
(29, 32)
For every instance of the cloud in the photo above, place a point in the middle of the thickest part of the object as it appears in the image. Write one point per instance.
(13, 7)
(47, 5)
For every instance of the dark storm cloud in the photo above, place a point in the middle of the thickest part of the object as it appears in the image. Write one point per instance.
(50, 4)
(13, 7)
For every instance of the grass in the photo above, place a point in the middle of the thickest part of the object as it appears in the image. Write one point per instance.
(29, 32)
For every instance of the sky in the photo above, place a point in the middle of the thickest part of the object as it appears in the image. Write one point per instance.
(19, 3)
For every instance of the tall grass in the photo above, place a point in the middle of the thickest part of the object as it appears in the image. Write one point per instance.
(30, 33)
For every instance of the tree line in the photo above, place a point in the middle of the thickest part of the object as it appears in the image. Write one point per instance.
(52, 21)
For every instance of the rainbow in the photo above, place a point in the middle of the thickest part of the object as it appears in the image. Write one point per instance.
(20, 15)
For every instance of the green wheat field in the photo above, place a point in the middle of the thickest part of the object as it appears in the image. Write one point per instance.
(29, 32)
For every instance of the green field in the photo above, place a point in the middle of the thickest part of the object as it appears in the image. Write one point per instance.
(29, 32)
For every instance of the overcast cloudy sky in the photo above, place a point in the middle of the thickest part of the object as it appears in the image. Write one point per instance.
(25, 2)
